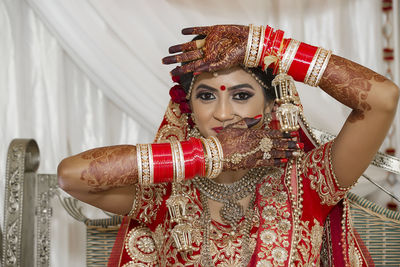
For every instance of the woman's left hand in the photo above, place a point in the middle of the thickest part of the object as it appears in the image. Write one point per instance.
(223, 47)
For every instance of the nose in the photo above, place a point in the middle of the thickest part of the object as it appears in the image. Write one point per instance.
(224, 112)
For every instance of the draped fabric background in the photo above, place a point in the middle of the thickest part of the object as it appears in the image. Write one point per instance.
(80, 74)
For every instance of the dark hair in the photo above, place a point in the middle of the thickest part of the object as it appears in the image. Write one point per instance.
(265, 76)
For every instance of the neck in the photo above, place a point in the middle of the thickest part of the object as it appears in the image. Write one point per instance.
(228, 177)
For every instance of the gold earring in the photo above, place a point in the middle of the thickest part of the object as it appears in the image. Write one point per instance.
(194, 132)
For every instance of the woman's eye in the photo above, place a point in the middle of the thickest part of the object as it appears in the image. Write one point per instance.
(242, 96)
(205, 96)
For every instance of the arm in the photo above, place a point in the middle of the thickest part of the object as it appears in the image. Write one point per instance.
(372, 97)
(103, 177)
(106, 177)
(374, 100)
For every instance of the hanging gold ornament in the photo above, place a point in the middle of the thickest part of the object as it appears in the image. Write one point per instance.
(286, 94)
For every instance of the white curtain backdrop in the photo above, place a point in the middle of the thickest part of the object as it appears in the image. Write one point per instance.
(80, 74)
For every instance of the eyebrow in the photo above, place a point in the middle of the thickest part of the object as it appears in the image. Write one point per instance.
(238, 86)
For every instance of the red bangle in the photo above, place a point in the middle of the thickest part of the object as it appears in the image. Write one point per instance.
(302, 61)
(193, 154)
(198, 156)
(162, 160)
(267, 38)
(275, 47)
(272, 45)
(187, 148)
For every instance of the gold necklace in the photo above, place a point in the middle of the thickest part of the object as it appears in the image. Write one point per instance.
(206, 258)
(230, 194)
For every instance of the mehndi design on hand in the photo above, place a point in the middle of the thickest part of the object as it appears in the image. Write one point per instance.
(224, 47)
(245, 148)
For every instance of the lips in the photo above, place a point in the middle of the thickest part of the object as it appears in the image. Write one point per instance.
(217, 129)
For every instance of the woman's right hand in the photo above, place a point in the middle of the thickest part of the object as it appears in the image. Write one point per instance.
(241, 144)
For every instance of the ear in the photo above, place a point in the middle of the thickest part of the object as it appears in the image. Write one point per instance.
(269, 106)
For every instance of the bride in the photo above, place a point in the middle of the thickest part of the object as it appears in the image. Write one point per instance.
(233, 178)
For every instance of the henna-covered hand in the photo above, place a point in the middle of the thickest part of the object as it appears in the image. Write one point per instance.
(239, 139)
(224, 46)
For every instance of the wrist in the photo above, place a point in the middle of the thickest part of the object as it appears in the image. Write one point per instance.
(178, 161)
(266, 48)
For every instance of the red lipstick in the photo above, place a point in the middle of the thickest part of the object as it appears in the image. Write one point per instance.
(217, 129)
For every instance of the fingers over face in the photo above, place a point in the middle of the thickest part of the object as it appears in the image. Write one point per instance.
(196, 30)
(193, 45)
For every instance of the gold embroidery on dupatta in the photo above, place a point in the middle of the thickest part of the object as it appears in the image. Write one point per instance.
(176, 127)
(226, 246)
(310, 242)
(354, 256)
(150, 201)
(324, 185)
(140, 245)
(277, 224)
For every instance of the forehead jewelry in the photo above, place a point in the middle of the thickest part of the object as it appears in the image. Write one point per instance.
(222, 87)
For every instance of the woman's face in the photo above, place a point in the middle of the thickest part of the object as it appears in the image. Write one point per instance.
(225, 99)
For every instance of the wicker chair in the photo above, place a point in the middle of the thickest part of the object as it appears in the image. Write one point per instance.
(27, 203)
(379, 229)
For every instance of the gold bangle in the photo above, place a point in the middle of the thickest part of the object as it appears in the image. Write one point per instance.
(289, 55)
(151, 164)
(220, 154)
(260, 46)
(323, 68)
(216, 170)
(248, 47)
(174, 160)
(317, 66)
(178, 161)
(181, 161)
(139, 163)
(145, 164)
(208, 156)
(311, 67)
(251, 60)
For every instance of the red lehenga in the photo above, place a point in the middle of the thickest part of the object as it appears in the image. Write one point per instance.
(300, 217)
